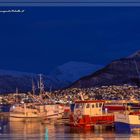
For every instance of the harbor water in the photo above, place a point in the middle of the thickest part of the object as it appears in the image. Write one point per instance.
(56, 130)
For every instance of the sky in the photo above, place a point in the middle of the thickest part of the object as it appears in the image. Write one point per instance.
(40, 39)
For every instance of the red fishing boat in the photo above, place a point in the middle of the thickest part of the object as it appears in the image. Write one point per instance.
(115, 106)
(89, 113)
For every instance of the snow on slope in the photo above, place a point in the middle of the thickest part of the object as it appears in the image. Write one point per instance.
(135, 55)
(69, 72)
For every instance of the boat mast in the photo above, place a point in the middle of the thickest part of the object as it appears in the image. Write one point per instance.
(33, 87)
(16, 90)
(41, 85)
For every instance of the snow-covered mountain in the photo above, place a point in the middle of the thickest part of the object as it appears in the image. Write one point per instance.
(10, 80)
(77, 74)
(66, 74)
(121, 71)
(61, 77)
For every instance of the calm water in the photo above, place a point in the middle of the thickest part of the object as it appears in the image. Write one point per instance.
(56, 131)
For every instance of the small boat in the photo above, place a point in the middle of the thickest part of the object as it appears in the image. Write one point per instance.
(127, 122)
(89, 113)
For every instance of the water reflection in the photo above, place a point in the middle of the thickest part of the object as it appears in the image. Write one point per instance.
(26, 129)
(3, 125)
(55, 131)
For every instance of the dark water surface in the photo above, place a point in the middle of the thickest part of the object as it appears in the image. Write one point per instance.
(56, 131)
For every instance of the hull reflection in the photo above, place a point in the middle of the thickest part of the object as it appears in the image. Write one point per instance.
(55, 131)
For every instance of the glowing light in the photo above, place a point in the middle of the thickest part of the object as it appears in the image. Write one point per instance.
(14, 107)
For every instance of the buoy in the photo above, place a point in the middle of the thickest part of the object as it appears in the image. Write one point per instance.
(46, 134)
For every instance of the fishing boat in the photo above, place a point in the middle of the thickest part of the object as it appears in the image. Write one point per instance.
(54, 112)
(89, 113)
(24, 112)
(127, 122)
(33, 112)
(114, 106)
(121, 105)
(38, 109)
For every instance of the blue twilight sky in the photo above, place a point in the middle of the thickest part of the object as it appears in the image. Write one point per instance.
(43, 38)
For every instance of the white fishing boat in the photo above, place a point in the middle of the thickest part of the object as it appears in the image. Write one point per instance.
(127, 122)
(24, 112)
(35, 112)
(38, 110)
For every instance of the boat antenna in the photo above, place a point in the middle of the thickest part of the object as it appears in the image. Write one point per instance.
(41, 85)
(16, 90)
(33, 87)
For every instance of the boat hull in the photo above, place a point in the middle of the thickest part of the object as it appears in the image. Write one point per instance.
(22, 118)
(126, 123)
(121, 127)
(88, 122)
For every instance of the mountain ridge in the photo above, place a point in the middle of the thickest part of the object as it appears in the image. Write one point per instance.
(64, 75)
(118, 72)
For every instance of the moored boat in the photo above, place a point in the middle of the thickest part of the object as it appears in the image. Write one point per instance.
(89, 113)
(24, 112)
(114, 106)
(33, 112)
(54, 112)
(127, 122)
(121, 105)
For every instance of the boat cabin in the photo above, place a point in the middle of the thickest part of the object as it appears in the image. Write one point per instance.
(89, 107)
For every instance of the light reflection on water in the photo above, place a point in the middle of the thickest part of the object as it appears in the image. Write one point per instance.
(56, 131)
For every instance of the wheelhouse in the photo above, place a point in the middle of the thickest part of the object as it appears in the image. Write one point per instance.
(91, 108)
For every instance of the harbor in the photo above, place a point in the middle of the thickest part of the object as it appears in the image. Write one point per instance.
(70, 71)
(57, 131)
(82, 115)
